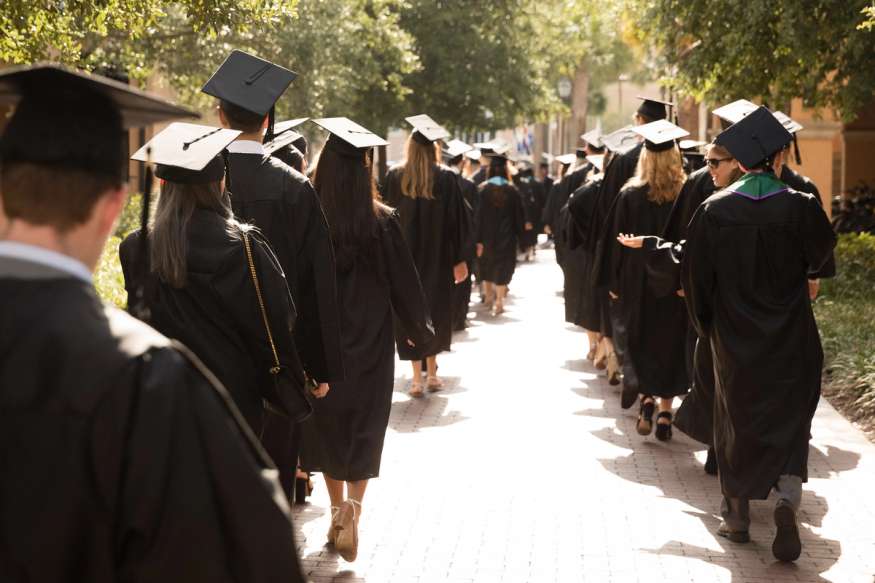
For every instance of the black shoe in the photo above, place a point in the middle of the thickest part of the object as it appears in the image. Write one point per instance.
(787, 546)
(711, 462)
(645, 416)
(736, 536)
(663, 430)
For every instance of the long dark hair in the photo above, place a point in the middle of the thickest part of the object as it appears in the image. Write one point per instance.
(169, 228)
(348, 194)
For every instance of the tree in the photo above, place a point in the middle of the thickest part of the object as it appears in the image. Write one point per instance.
(721, 50)
(112, 35)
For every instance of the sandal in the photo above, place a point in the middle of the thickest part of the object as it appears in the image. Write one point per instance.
(332, 529)
(434, 383)
(347, 539)
(645, 416)
(663, 430)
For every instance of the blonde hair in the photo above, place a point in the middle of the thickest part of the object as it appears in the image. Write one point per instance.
(662, 172)
(417, 170)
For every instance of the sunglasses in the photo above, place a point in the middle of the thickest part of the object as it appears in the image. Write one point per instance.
(715, 162)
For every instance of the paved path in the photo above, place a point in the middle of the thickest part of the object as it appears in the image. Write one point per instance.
(527, 469)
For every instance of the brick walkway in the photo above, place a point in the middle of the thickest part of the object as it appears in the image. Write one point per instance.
(526, 469)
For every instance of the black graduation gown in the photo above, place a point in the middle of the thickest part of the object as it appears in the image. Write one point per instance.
(216, 313)
(528, 187)
(122, 458)
(435, 231)
(349, 424)
(283, 205)
(462, 291)
(591, 306)
(744, 276)
(657, 326)
(500, 224)
(804, 184)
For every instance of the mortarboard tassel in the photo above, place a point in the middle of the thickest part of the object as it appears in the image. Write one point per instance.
(138, 307)
(796, 151)
(271, 120)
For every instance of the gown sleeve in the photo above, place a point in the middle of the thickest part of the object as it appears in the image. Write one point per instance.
(407, 295)
(828, 269)
(663, 265)
(195, 498)
(698, 274)
(614, 252)
(318, 328)
(818, 240)
(459, 227)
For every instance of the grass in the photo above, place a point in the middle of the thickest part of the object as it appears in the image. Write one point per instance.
(845, 314)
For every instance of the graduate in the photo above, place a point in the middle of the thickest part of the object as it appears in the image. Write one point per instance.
(531, 192)
(198, 278)
(376, 278)
(751, 248)
(431, 210)
(695, 415)
(617, 173)
(656, 326)
(587, 312)
(124, 457)
(455, 156)
(500, 226)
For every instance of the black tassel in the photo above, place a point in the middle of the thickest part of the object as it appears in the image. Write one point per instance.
(271, 120)
(796, 150)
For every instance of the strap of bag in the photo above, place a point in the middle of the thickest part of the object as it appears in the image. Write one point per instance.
(276, 360)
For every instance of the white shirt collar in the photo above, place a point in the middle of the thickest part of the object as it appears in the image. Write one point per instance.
(246, 147)
(44, 256)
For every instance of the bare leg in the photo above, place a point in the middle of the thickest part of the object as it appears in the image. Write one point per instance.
(416, 383)
(489, 291)
(431, 365)
(593, 338)
(664, 405)
(357, 489)
(500, 293)
(335, 490)
(432, 381)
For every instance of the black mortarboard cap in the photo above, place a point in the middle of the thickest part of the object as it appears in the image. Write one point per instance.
(566, 159)
(756, 137)
(660, 135)
(653, 108)
(687, 145)
(426, 130)
(349, 138)
(287, 138)
(187, 153)
(597, 160)
(621, 140)
(736, 111)
(71, 119)
(593, 138)
(288, 125)
(249, 82)
(456, 148)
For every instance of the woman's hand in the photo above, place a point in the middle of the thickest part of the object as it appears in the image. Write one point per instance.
(529, 226)
(813, 288)
(460, 272)
(479, 249)
(320, 391)
(630, 240)
(680, 293)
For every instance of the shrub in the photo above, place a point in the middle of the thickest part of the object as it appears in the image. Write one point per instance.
(108, 278)
(846, 317)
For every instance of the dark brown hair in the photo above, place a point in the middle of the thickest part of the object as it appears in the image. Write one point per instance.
(52, 196)
(241, 119)
(348, 193)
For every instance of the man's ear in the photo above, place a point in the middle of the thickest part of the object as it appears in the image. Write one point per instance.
(109, 207)
(264, 122)
(223, 121)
